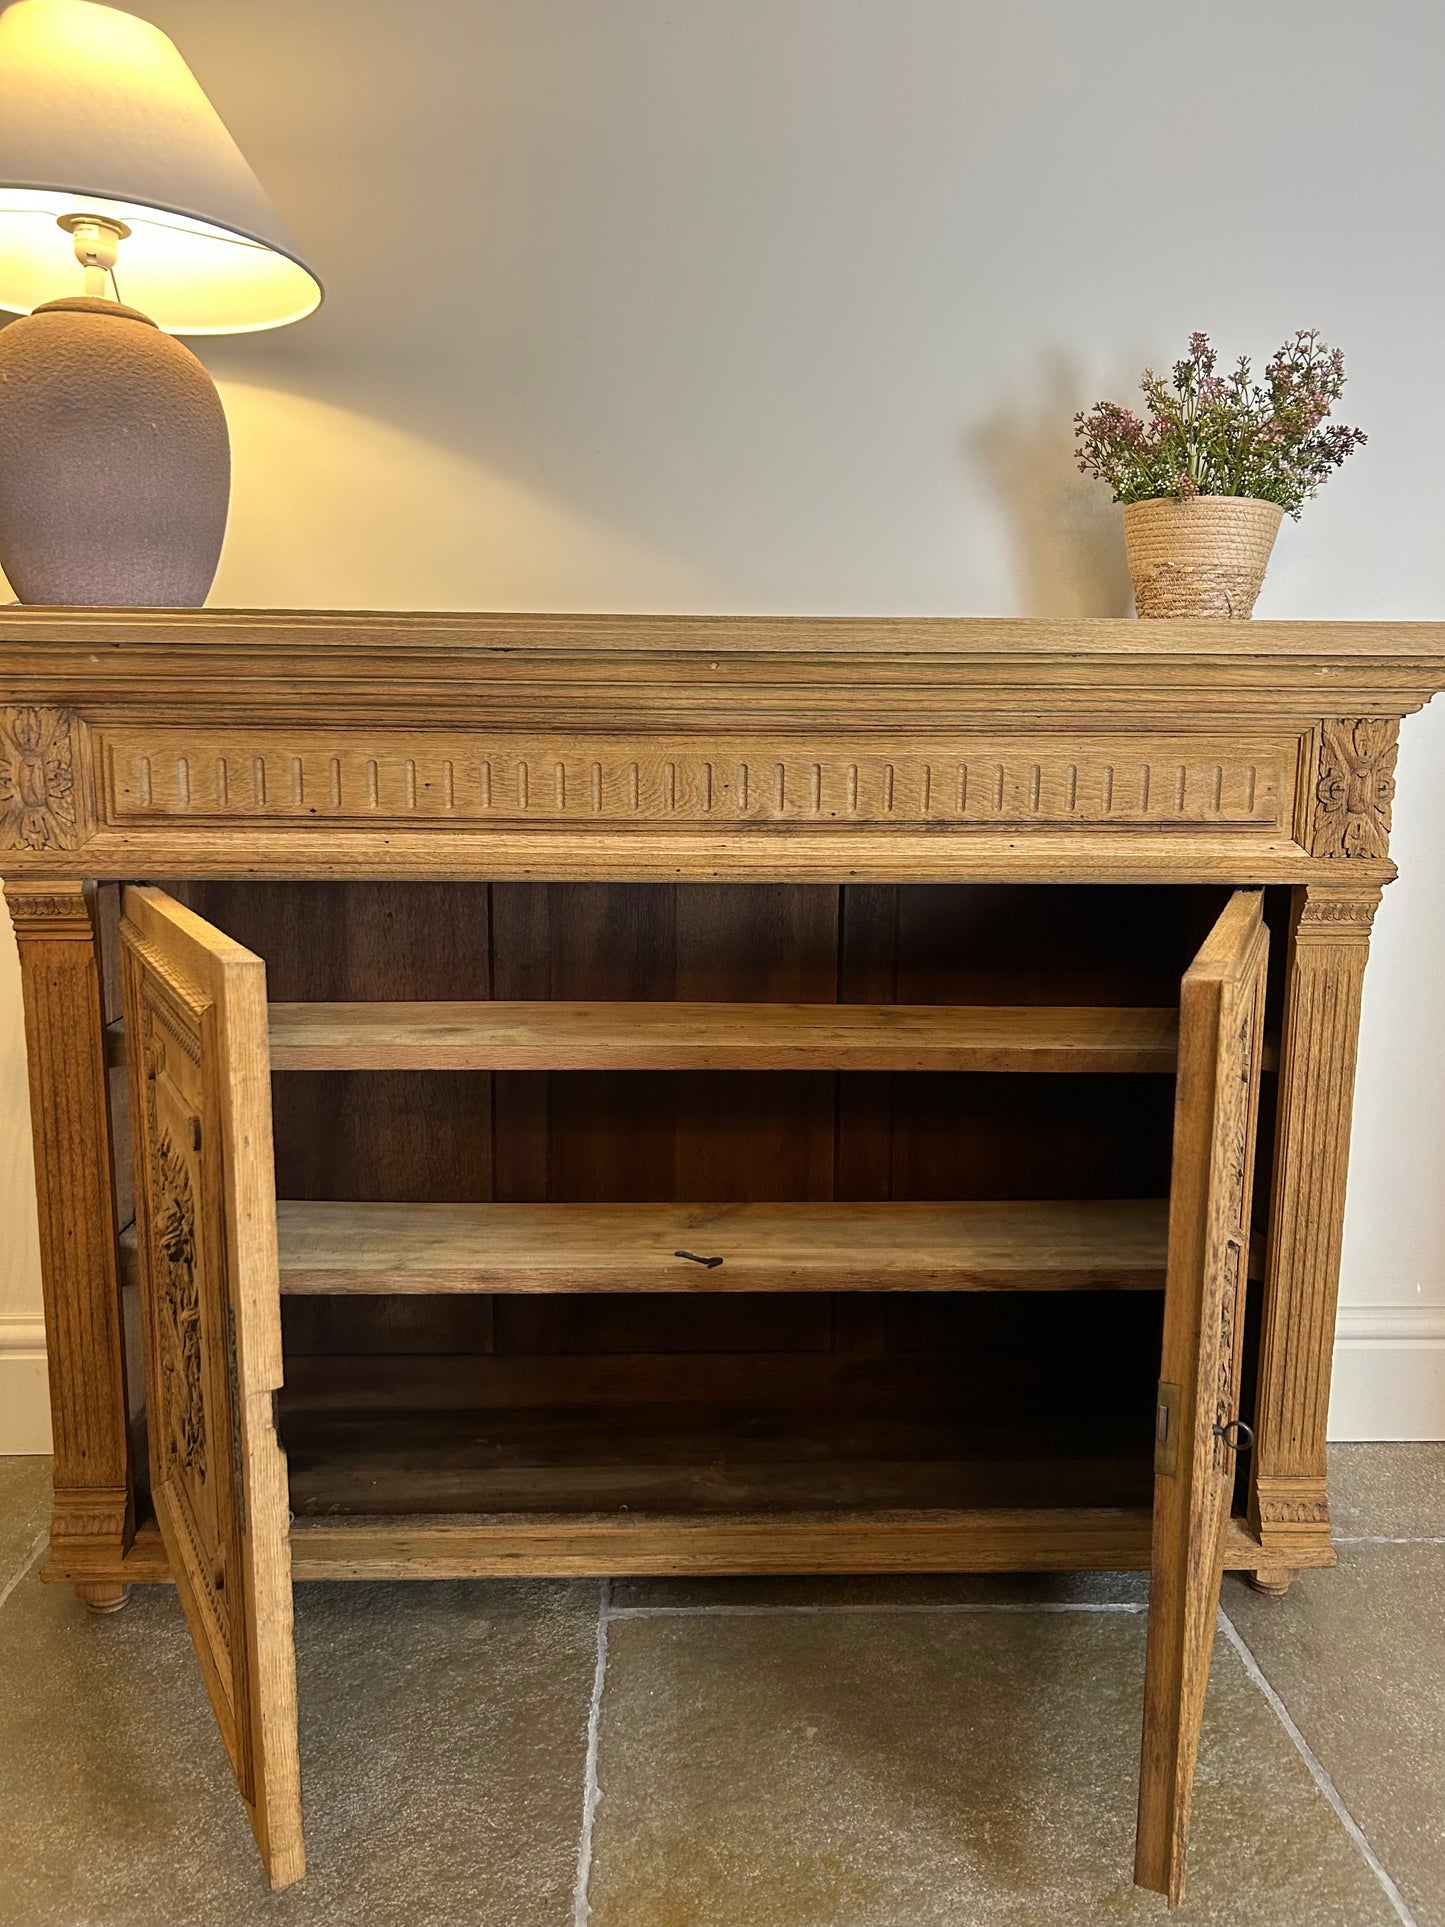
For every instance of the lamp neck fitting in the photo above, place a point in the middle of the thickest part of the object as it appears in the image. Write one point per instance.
(97, 239)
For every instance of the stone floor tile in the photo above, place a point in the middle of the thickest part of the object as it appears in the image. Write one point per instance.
(1115, 1588)
(1358, 1657)
(938, 1770)
(24, 1512)
(1389, 1490)
(443, 1737)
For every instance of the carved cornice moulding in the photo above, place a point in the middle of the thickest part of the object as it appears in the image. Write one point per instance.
(135, 742)
(455, 632)
(548, 671)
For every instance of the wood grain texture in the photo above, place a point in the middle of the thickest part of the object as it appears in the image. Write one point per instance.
(445, 656)
(692, 1036)
(103, 1599)
(732, 1458)
(656, 854)
(47, 798)
(416, 1136)
(1273, 1581)
(200, 1097)
(763, 1247)
(992, 1539)
(1329, 947)
(55, 927)
(718, 746)
(348, 776)
(987, 1353)
(640, 1136)
(1221, 1030)
(1354, 788)
(430, 1548)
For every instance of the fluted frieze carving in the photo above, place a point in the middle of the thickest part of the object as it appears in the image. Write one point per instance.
(314, 776)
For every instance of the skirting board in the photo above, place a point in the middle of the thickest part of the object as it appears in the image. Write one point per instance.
(24, 1392)
(1389, 1378)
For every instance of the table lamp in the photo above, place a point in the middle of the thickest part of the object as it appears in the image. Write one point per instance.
(122, 193)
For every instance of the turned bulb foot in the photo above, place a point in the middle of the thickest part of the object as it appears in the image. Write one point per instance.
(103, 1599)
(1273, 1581)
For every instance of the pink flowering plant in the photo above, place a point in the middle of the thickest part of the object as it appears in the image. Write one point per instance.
(1213, 434)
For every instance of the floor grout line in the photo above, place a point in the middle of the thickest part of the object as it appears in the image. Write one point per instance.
(895, 1608)
(1318, 1772)
(29, 1560)
(1385, 1539)
(591, 1792)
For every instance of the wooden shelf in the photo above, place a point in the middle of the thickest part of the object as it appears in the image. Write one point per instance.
(691, 1036)
(735, 1458)
(661, 1490)
(367, 1247)
(663, 1545)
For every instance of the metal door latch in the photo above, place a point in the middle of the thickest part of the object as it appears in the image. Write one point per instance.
(1238, 1436)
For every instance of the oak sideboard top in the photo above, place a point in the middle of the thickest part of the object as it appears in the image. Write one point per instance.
(278, 743)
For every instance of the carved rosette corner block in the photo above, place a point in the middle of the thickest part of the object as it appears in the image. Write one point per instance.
(43, 794)
(1354, 788)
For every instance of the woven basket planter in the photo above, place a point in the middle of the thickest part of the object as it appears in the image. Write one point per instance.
(1201, 558)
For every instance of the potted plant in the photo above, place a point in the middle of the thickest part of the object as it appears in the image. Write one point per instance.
(1207, 479)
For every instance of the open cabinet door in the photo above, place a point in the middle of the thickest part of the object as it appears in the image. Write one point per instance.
(195, 1012)
(1221, 1022)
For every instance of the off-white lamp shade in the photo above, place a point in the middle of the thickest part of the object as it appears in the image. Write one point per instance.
(99, 114)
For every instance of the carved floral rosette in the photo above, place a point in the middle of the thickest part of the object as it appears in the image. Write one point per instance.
(1355, 788)
(37, 780)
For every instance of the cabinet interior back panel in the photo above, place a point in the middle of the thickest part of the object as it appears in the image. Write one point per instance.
(591, 1136)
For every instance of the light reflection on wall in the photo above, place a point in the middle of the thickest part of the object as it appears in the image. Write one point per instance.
(332, 509)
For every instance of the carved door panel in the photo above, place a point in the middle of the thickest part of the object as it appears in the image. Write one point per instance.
(206, 1223)
(1221, 1021)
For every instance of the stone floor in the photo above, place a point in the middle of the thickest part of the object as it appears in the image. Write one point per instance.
(853, 1753)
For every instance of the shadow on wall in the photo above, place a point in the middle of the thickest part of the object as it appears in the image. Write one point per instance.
(1065, 532)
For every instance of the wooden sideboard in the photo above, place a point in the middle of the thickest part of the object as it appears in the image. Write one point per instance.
(723, 1079)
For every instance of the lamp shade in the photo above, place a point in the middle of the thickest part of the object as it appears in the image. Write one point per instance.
(99, 114)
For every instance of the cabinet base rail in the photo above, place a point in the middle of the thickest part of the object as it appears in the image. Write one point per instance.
(469, 1546)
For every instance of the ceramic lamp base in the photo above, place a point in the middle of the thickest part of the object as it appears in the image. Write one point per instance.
(115, 464)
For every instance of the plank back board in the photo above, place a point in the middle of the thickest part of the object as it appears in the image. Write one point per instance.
(640, 1136)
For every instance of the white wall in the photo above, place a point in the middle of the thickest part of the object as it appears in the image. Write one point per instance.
(786, 305)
